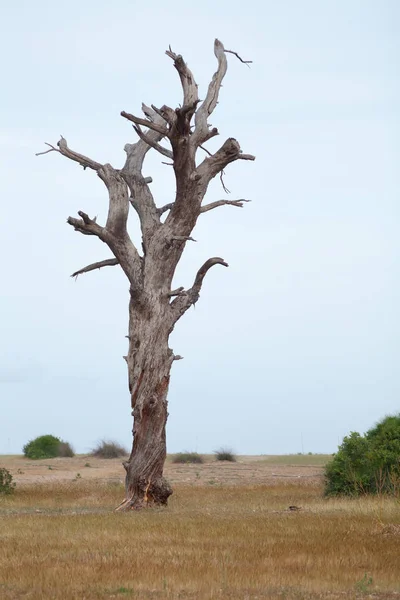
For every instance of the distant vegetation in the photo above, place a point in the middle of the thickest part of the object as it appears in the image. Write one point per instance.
(108, 449)
(225, 454)
(367, 464)
(47, 446)
(187, 457)
(7, 484)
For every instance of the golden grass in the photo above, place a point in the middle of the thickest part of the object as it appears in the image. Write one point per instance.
(297, 459)
(62, 541)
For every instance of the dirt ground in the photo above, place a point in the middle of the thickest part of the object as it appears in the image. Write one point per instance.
(247, 470)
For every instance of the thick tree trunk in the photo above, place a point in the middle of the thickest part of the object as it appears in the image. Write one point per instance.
(149, 364)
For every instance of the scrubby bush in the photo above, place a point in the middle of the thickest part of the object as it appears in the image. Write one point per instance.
(65, 450)
(47, 446)
(367, 464)
(225, 454)
(188, 457)
(108, 449)
(7, 485)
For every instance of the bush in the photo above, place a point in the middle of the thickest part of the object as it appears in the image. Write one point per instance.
(188, 457)
(44, 446)
(368, 464)
(7, 485)
(47, 446)
(108, 449)
(225, 454)
(65, 450)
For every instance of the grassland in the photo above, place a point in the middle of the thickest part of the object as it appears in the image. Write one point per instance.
(59, 539)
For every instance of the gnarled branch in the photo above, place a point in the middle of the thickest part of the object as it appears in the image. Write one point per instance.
(217, 203)
(185, 300)
(229, 152)
(86, 225)
(118, 208)
(109, 262)
(210, 102)
(141, 197)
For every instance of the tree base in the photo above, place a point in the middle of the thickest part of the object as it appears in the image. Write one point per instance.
(148, 495)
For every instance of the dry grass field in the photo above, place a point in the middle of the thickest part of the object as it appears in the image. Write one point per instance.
(227, 533)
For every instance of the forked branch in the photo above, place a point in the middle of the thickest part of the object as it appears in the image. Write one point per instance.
(109, 262)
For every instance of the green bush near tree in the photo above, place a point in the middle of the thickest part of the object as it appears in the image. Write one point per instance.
(367, 464)
(47, 446)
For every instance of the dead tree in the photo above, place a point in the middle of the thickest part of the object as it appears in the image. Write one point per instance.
(155, 308)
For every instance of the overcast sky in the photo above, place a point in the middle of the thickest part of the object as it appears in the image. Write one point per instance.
(294, 345)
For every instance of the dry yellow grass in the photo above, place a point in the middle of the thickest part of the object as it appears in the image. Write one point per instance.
(61, 541)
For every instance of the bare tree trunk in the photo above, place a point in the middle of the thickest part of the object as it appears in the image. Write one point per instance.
(154, 307)
(149, 365)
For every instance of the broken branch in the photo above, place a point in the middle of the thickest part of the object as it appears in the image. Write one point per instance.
(86, 225)
(178, 292)
(164, 208)
(183, 238)
(146, 123)
(217, 203)
(63, 149)
(229, 152)
(152, 143)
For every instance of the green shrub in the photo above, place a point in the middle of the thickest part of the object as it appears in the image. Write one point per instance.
(108, 449)
(225, 454)
(188, 457)
(367, 464)
(47, 446)
(7, 485)
(44, 446)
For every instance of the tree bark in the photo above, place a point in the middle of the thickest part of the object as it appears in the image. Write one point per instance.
(149, 364)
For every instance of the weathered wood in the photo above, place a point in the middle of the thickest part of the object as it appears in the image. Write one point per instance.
(154, 307)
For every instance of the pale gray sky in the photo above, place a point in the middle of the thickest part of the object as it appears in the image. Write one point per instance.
(294, 345)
